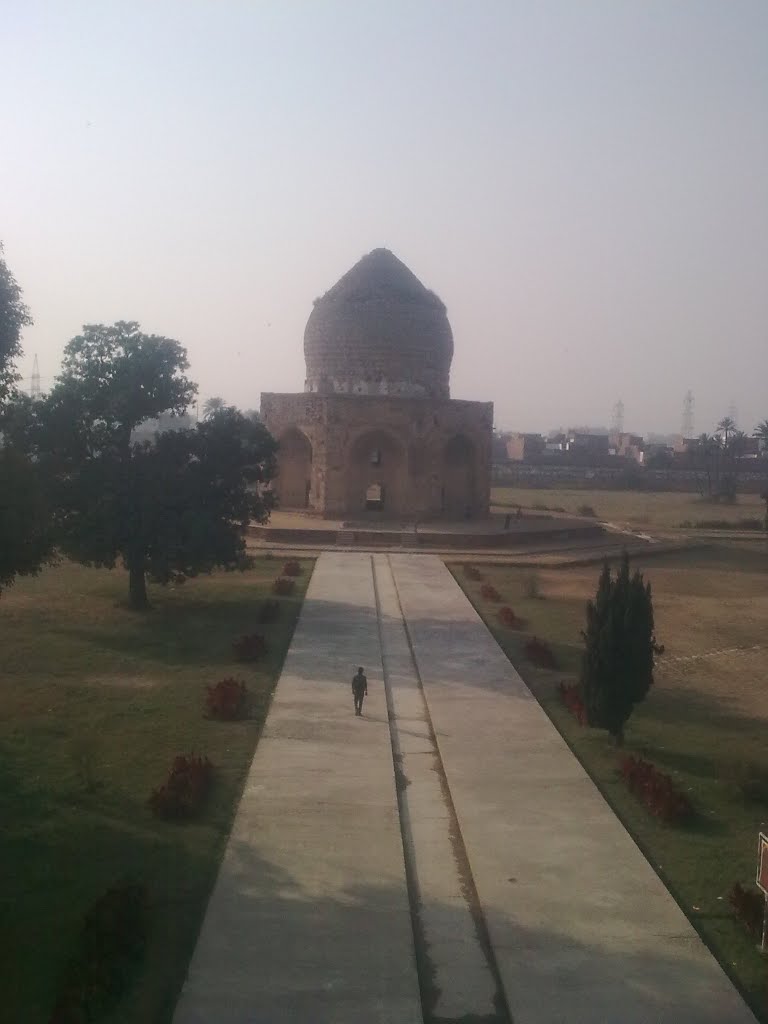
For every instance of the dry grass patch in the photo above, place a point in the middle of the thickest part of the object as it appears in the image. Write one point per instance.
(640, 509)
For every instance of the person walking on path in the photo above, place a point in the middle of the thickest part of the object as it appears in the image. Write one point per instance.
(359, 690)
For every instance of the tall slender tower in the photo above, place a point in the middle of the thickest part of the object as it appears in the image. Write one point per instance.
(34, 389)
(617, 424)
(688, 404)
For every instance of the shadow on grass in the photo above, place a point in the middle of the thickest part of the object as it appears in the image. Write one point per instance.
(60, 852)
(690, 708)
(700, 765)
(198, 632)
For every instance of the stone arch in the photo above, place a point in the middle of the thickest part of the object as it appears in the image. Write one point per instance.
(376, 465)
(459, 460)
(294, 469)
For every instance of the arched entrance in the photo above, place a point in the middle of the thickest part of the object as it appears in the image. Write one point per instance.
(294, 470)
(459, 478)
(376, 475)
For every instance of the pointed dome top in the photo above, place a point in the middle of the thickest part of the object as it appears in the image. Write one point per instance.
(378, 330)
(380, 273)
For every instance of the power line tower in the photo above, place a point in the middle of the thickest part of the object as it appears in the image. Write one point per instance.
(688, 405)
(617, 423)
(733, 412)
(34, 390)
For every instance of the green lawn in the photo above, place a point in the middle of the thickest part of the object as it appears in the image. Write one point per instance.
(88, 687)
(646, 509)
(703, 718)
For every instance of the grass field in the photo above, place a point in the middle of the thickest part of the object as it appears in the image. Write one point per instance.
(705, 718)
(95, 701)
(646, 509)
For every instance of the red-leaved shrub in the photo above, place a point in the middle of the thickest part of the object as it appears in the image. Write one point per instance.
(489, 592)
(186, 788)
(656, 790)
(540, 653)
(269, 610)
(472, 573)
(283, 586)
(227, 700)
(507, 617)
(570, 695)
(249, 647)
(749, 907)
(292, 568)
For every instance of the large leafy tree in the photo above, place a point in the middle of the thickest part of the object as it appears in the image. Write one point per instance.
(176, 504)
(619, 649)
(24, 534)
(25, 524)
(14, 317)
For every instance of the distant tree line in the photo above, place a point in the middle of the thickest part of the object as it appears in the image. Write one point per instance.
(718, 458)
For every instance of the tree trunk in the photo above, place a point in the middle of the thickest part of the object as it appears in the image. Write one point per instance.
(618, 737)
(137, 585)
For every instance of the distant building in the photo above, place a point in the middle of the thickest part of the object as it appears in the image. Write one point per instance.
(375, 431)
(627, 446)
(685, 445)
(587, 444)
(555, 443)
(658, 456)
(524, 447)
(750, 448)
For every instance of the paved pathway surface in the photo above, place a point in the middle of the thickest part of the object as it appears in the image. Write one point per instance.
(309, 920)
(446, 843)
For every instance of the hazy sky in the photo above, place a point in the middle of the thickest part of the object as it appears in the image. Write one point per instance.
(585, 184)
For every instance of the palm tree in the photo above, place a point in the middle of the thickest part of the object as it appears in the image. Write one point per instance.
(212, 406)
(738, 442)
(726, 427)
(706, 455)
(761, 433)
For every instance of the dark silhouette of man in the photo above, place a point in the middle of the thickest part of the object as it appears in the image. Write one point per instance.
(359, 690)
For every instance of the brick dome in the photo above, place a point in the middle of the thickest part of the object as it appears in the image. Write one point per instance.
(379, 331)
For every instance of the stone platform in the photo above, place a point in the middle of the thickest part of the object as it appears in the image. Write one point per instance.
(297, 528)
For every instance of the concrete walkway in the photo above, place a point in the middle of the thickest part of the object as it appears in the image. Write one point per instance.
(583, 930)
(461, 978)
(309, 920)
(522, 888)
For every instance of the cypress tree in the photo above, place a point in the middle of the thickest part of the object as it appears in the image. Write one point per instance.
(619, 649)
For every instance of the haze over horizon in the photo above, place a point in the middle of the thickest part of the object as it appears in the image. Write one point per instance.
(585, 186)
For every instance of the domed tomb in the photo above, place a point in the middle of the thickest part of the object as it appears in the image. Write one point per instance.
(379, 331)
